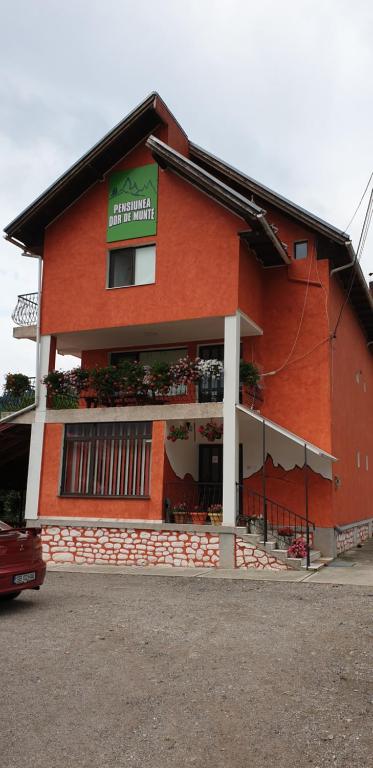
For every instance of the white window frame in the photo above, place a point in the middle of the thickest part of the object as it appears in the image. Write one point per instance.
(135, 248)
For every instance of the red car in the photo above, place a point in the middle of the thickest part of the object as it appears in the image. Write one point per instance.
(21, 563)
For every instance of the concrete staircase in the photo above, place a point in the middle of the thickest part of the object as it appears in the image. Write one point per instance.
(271, 547)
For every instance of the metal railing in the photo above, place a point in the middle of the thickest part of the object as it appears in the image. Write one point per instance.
(265, 516)
(188, 501)
(26, 310)
(211, 389)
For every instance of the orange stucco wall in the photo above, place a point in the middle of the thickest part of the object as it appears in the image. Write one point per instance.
(287, 488)
(297, 395)
(196, 261)
(352, 414)
(52, 505)
(203, 270)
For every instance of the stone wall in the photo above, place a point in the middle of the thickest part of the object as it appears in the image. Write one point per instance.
(350, 537)
(129, 546)
(249, 556)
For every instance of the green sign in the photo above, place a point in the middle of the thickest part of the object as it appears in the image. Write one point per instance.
(133, 203)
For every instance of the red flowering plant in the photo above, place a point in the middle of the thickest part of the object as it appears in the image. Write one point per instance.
(180, 432)
(185, 371)
(106, 383)
(298, 548)
(211, 431)
(285, 531)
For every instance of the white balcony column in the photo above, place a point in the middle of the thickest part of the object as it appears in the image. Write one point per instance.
(231, 428)
(37, 431)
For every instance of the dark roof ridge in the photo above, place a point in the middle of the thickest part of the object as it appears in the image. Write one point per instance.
(271, 196)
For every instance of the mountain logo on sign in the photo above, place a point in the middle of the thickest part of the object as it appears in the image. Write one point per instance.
(130, 187)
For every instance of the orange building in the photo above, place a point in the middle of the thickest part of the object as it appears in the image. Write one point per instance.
(153, 252)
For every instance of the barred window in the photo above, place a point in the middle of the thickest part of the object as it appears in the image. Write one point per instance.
(107, 459)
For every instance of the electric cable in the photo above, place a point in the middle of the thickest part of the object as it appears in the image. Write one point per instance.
(358, 255)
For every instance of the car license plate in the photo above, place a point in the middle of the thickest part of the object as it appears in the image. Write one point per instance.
(24, 578)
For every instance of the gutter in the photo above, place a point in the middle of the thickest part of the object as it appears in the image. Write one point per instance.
(37, 362)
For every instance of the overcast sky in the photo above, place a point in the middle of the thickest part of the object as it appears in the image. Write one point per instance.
(282, 91)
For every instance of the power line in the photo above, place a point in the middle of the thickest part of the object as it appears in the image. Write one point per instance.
(359, 204)
(358, 255)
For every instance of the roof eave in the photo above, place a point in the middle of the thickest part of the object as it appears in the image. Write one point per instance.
(85, 163)
(269, 195)
(230, 198)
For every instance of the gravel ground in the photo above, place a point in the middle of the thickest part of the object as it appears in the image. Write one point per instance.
(109, 670)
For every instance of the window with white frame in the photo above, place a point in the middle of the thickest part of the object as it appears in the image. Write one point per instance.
(131, 266)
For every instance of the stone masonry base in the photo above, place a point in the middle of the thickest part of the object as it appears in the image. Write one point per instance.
(142, 547)
(350, 537)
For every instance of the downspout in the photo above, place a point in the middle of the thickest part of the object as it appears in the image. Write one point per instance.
(351, 263)
(37, 364)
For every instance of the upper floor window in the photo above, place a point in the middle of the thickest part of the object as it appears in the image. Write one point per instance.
(301, 249)
(131, 266)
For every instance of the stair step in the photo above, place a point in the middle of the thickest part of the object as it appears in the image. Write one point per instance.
(294, 562)
(251, 538)
(316, 565)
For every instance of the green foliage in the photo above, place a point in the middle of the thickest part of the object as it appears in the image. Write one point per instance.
(249, 374)
(17, 384)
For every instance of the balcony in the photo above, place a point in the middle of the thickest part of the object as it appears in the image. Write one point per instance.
(134, 384)
(26, 310)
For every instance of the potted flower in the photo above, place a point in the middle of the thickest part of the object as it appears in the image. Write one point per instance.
(180, 432)
(198, 516)
(215, 512)
(131, 381)
(179, 512)
(210, 367)
(211, 431)
(298, 548)
(185, 371)
(61, 392)
(286, 533)
(158, 378)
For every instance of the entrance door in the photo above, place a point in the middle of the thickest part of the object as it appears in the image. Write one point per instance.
(211, 474)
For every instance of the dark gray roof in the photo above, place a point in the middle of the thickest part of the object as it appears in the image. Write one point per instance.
(231, 174)
(268, 247)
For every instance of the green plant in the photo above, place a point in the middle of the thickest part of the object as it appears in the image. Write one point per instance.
(106, 382)
(79, 378)
(180, 432)
(249, 374)
(17, 384)
(158, 377)
(62, 390)
(131, 378)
